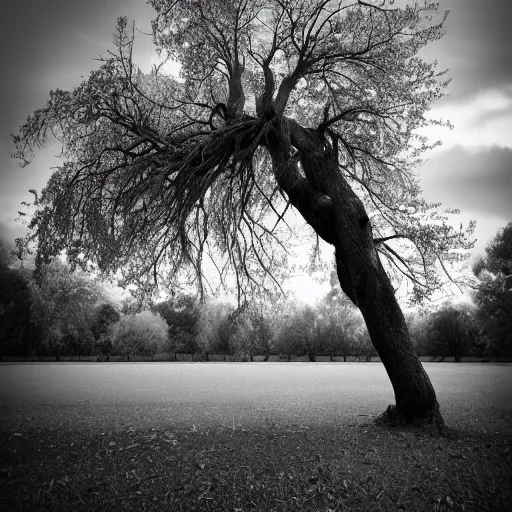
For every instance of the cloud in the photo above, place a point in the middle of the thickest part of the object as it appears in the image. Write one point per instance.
(480, 180)
(484, 120)
(476, 181)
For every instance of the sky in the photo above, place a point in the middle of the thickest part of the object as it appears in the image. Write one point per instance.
(53, 44)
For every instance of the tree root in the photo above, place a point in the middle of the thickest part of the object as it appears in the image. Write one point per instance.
(432, 421)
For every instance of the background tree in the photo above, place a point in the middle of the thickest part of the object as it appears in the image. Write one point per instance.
(494, 294)
(104, 317)
(249, 331)
(239, 331)
(182, 315)
(298, 332)
(15, 306)
(417, 321)
(64, 303)
(262, 332)
(142, 334)
(308, 331)
(6, 254)
(362, 345)
(341, 322)
(213, 329)
(163, 175)
(451, 332)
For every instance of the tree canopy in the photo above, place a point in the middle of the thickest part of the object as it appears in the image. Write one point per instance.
(494, 293)
(164, 177)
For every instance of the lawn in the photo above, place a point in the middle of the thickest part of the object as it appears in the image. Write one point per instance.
(237, 437)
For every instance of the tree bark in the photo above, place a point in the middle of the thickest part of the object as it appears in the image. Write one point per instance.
(327, 202)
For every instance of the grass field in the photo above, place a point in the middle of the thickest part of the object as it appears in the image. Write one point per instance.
(237, 437)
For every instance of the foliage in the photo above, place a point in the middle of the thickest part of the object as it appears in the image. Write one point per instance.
(349, 335)
(247, 331)
(162, 175)
(451, 331)
(15, 303)
(341, 321)
(213, 327)
(499, 252)
(104, 317)
(306, 330)
(182, 316)
(262, 331)
(362, 344)
(289, 335)
(494, 294)
(241, 332)
(63, 309)
(143, 334)
(417, 322)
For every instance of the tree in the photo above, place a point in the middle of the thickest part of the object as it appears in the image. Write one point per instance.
(6, 255)
(213, 328)
(289, 332)
(417, 322)
(105, 316)
(163, 175)
(239, 332)
(64, 304)
(300, 332)
(262, 332)
(342, 320)
(310, 332)
(451, 332)
(182, 315)
(362, 344)
(304, 330)
(15, 305)
(142, 334)
(494, 293)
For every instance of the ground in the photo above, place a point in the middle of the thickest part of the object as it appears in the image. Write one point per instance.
(269, 436)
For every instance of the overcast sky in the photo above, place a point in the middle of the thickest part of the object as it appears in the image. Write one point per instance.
(51, 44)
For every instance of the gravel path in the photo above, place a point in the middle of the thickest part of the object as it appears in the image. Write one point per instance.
(179, 395)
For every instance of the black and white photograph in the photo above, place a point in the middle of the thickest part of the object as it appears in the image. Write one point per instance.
(256, 255)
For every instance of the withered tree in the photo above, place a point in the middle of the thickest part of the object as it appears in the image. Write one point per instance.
(308, 103)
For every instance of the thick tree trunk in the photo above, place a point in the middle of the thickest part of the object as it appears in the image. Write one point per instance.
(328, 203)
(414, 395)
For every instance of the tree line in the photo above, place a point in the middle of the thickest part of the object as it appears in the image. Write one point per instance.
(59, 312)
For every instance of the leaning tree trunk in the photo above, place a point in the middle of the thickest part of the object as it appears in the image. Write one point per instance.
(327, 202)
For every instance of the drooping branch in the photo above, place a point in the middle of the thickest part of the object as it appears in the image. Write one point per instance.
(377, 241)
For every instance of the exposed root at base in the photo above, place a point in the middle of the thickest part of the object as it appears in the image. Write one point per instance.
(432, 421)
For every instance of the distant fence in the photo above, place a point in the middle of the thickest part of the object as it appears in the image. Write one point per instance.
(214, 358)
